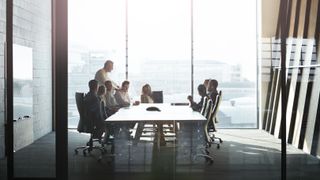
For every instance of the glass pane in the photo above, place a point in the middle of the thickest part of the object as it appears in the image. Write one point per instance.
(3, 166)
(34, 140)
(99, 36)
(159, 48)
(225, 50)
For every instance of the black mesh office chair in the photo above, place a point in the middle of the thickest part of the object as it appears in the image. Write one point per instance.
(206, 111)
(86, 125)
(211, 126)
(157, 96)
(210, 111)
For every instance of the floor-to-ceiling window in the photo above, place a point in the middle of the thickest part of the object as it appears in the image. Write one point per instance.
(159, 47)
(225, 46)
(158, 40)
(96, 34)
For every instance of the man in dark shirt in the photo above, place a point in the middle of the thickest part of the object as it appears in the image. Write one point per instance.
(212, 90)
(202, 92)
(93, 108)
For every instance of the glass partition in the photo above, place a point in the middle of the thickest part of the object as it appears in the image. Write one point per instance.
(34, 139)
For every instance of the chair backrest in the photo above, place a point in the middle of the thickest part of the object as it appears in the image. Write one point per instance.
(211, 119)
(157, 96)
(215, 110)
(85, 124)
(204, 105)
(208, 108)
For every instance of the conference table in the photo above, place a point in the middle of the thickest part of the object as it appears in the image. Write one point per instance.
(168, 113)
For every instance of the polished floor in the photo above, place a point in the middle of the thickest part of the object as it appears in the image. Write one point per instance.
(244, 154)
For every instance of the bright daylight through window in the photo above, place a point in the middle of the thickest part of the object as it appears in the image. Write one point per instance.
(157, 40)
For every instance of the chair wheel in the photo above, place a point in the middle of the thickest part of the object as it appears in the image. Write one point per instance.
(209, 161)
(218, 146)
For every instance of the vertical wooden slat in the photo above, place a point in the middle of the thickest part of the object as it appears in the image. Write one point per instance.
(271, 88)
(270, 101)
(297, 56)
(296, 22)
(313, 120)
(303, 91)
(292, 17)
(309, 28)
(275, 127)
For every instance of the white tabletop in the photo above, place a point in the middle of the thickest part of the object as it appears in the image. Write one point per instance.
(167, 113)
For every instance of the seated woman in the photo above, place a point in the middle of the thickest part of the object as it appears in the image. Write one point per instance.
(202, 92)
(146, 96)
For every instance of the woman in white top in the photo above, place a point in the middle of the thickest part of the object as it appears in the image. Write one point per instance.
(146, 96)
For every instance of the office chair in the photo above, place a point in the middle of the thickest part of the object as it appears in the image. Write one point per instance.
(206, 111)
(211, 126)
(86, 125)
(157, 96)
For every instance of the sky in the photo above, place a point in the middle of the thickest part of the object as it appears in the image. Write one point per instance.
(224, 30)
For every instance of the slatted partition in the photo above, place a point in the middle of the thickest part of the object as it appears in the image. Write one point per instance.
(303, 78)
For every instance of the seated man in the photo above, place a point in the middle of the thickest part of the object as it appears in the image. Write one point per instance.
(206, 83)
(110, 101)
(212, 90)
(123, 99)
(122, 96)
(93, 108)
(202, 92)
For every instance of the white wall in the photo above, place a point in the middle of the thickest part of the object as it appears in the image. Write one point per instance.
(32, 28)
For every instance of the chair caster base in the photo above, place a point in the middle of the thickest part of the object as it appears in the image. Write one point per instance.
(209, 161)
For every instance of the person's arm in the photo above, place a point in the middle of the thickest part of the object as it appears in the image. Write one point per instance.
(114, 84)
